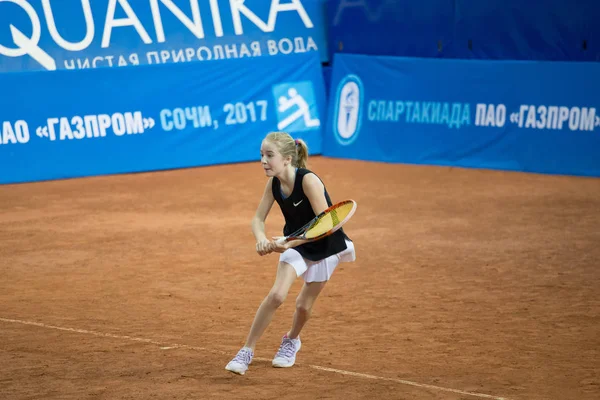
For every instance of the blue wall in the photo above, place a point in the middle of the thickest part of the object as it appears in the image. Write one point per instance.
(81, 82)
(64, 124)
(512, 115)
(558, 30)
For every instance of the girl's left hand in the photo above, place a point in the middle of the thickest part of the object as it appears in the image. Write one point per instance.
(278, 248)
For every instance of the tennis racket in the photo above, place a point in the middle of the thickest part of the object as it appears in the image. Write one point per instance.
(324, 224)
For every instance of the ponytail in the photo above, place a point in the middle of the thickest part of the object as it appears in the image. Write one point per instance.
(301, 153)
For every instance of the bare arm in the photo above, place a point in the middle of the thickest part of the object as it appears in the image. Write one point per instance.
(315, 191)
(258, 221)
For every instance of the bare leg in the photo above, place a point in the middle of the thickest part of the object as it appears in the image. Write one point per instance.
(304, 303)
(284, 280)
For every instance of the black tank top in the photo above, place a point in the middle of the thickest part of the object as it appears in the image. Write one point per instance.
(297, 212)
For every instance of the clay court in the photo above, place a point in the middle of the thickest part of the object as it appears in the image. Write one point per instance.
(468, 284)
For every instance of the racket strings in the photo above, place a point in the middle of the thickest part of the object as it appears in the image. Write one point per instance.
(334, 217)
(329, 220)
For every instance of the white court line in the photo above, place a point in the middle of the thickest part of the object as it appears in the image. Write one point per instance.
(166, 346)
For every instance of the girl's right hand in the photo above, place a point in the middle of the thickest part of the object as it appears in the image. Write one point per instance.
(263, 247)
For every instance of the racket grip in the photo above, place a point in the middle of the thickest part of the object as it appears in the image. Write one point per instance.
(281, 241)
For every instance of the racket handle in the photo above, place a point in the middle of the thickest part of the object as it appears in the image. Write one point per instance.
(281, 241)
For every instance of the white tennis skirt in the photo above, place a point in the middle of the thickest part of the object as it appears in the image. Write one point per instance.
(317, 271)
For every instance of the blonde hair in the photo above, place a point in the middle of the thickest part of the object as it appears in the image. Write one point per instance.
(288, 146)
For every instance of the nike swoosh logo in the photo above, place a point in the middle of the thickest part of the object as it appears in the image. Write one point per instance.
(298, 203)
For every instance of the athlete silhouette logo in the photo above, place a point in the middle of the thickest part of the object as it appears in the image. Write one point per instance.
(303, 111)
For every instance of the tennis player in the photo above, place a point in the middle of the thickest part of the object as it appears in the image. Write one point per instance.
(301, 196)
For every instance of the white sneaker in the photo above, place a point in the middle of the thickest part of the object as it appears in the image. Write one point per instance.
(286, 356)
(241, 361)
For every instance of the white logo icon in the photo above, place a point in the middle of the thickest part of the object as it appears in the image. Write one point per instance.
(349, 101)
(295, 99)
(298, 203)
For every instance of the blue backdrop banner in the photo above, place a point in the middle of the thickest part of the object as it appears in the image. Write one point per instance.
(80, 34)
(551, 30)
(65, 124)
(421, 28)
(526, 116)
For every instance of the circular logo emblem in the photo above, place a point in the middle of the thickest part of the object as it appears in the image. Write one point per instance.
(347, 117)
